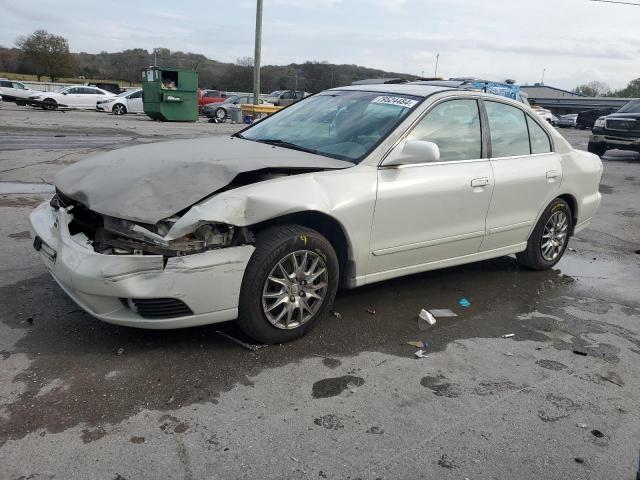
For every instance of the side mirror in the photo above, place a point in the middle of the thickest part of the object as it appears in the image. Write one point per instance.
(413, 152)
(64, 93)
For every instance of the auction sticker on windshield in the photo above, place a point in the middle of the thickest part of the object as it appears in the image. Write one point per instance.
(399, 101)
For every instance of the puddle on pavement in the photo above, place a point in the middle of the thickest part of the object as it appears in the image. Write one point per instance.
(25, 188)
(162, 370)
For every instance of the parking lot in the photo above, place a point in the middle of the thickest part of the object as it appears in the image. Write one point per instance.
(84, 399)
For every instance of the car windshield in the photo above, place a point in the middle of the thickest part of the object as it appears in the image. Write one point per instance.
(631, 107)
(275, 93)
(343, 124)
(126, 92)
(231, 99)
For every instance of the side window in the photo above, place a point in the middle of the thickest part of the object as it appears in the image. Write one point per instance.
(19, 86)
(509, 133)
(74, 90)
(4, 83)
(540, 142)
(454, 126)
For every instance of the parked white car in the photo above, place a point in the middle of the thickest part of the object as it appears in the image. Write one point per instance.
(71, 97)
(544, 114)
(15, 91)
(127, 102)
(351, 186)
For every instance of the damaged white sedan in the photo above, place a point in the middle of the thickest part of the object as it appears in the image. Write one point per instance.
(348, 187)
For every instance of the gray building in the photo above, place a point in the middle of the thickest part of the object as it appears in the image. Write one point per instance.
(561, 101)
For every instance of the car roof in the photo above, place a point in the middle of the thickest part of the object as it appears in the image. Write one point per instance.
(399, 88)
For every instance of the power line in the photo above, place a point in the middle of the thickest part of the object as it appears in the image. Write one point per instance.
(618, 2)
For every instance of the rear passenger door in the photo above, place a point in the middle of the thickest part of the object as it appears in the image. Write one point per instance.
(527, 174)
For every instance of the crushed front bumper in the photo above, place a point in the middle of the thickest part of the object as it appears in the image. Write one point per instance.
(109, 287)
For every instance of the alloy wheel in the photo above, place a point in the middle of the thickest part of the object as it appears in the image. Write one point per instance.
(295, 289)
(554, 236)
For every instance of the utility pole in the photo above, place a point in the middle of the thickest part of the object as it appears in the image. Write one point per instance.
(542, 79)
(256, 55)
(435, 73)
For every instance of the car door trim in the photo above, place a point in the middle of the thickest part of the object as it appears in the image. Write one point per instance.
(427, 243)
(506, 228)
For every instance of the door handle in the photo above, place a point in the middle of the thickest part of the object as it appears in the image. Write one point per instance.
(480, 182)
(553, 173)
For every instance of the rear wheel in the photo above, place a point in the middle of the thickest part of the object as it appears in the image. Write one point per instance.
(288, 285)
(49, 104)
(549, 238)
(119, 109)
(598, 148)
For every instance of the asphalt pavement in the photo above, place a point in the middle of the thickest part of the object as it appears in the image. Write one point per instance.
(81, 399)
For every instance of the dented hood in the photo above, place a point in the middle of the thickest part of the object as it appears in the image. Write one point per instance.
(147, 183)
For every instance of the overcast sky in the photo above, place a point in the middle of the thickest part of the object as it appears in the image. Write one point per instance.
(575, 40)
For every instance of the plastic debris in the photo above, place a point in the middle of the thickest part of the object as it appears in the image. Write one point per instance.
(579, 460)
(571, 249)
(425, 319)
(371, 311)
(597, 433)
(338, 315)
(353, 388)
(443, 312)
(120, 351)
(464, 303)
(581, 425)
(418, 344)
(539, 347)
(580, 352)
(421, 354)
(508, 354)
(246, 345)
(508, 335)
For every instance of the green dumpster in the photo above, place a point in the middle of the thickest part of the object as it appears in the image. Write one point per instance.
(170, 94)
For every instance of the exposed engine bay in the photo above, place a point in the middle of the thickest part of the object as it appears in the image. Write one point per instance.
(115, 236)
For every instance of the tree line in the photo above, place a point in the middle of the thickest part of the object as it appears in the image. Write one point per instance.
(601, 89)
(46, 55)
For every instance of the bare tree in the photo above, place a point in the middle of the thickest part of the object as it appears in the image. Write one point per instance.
(43, 53)
(595, 88)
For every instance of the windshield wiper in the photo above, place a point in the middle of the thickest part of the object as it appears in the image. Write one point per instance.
(283, 143)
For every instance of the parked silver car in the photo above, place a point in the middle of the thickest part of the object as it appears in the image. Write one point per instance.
(351, 186)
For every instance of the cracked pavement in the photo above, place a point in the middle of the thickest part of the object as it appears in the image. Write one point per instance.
(83, 399)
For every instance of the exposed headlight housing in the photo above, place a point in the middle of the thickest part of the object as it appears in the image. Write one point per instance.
(599, 122)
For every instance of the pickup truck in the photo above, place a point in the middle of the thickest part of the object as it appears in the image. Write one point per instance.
(620, 130)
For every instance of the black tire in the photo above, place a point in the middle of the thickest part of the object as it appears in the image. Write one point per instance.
(49, 104)
(220, 114)
(273, 245)
(597, 148)
(119, 109)
(533, 256)
(20, 104)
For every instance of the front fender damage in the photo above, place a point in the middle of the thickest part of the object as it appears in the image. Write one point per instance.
(250, 205)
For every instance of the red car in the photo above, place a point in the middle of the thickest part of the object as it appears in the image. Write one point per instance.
(210, 96)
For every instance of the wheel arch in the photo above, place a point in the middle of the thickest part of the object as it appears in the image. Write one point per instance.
(329, 227)
(573, 205)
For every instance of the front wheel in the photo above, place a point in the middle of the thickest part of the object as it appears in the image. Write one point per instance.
(49, 104)
(288, 285)
(119, 109)
(549, 238)
(220, 114)
(597, 148)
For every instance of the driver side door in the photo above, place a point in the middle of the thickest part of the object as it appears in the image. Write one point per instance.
(428, 213)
